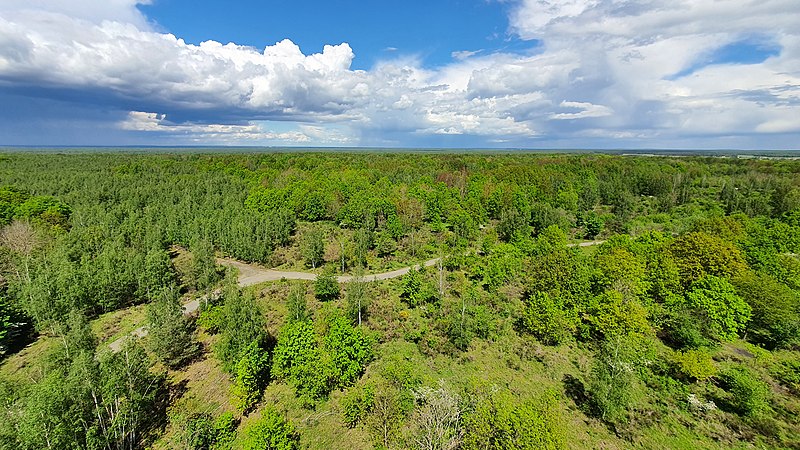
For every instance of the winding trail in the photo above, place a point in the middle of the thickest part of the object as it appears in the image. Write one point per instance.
(252, 274)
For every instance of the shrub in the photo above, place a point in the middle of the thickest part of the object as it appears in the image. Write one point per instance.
(545, 317)
(749, 396)
(357, 403)
(251, 376)
(695, 364)
(501, 421)
(350, 350)
(326, 287)
(271, 432)
(714, 299)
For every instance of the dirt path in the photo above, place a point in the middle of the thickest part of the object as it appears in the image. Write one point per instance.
(251, 274)
(586, 244)
(189, 308)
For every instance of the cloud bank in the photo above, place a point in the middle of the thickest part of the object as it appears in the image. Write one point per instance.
(602, 73)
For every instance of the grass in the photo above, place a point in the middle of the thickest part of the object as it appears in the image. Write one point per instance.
(113, 325)
(23, 366)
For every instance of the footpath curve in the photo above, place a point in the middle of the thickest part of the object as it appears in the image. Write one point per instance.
(251, 274)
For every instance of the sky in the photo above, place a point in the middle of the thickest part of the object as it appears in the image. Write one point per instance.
(594, 74)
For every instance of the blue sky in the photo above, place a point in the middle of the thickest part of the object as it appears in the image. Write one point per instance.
(428, 30)
(483, 73)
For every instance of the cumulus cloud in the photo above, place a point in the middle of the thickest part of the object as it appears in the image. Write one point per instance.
(596, 69)
(628, 52)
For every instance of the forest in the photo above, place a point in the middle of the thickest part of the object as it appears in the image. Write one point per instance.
(569, 301)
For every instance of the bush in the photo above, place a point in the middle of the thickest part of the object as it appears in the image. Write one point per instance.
(749, 396)
(326, 287)
(250, 378)
(271, 432)
(357, 403)
(546, 318)
(201, 432)
(695, 364)
(723, 312)
(501, 421)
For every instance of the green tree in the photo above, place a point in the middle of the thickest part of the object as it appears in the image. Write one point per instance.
(250, 377)
(326, 287)
(513, 225)
(385, 244)
(775, 310)
(618, 269)
(362, 243)
(546, 318)
(204, 266)
(593, 224)
(613, 383)
(723, 312)
(271, 432)
(611, 313)
(130, 394)
(157, 274)
(298, 359)
(241, 325)
(356, 295)
(296, 303)
(170, 337)
(349, 350)
(313, 246)
(463, 225)
(498, 420)
(699, 254)
(413, 289)
(202, 432)
(14, 327)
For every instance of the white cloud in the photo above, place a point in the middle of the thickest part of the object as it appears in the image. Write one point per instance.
(586, 110)
(464, 54)
(253, 133)
(601, 68)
